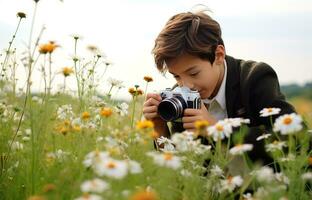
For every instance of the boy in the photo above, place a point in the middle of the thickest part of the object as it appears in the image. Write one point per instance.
(191, 48)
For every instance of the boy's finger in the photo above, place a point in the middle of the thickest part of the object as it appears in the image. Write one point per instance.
(150, 109)
(190, 111)
(189, 119)
(151, 102)
(154, 96)
(188, 125)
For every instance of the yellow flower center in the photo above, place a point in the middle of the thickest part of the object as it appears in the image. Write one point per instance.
(230, 178)
(219, 127)
(270, 110)
(201, 124)
(168, 156)
(111, 165)
(287, 120)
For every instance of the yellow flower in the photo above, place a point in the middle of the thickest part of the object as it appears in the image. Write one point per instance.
(64, 130)
(85, 115)
(145, 124)
(148, 78)
(76, 128)
(47, 48)
(67, 71)
(106, 112)
(201, 124)
(144, 195)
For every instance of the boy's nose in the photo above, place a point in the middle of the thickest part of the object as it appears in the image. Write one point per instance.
(188, 84)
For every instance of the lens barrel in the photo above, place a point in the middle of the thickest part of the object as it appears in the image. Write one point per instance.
(171, 109)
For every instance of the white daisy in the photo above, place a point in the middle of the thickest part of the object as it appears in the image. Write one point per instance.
(307, 176)
(280, 177)
(264, 174)
(230, 183)
(134, 167)
(17, 145)
(216, 171)
(236, 122)
(96, 185)
(288, 123)
(186, 173)
(276, 145)
(240, 149)
(89, 197)
(220, 130)
(111, 168)
(168, 144)
(122, 109)
(264, 136)
(94, 157)
(114, 82)
(166, 159)
(248, 196)
(269, 111)
(200, 149)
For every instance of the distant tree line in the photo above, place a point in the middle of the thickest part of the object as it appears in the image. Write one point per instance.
(295, 90)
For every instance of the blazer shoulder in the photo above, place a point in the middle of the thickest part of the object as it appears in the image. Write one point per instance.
(252, 71)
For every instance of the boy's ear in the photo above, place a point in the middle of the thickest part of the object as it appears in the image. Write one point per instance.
(219, 54)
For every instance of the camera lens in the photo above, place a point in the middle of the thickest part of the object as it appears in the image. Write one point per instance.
(171, 108)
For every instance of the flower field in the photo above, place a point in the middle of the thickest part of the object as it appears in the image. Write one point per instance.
(83, 144)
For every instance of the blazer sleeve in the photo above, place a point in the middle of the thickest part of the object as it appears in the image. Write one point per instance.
(260, 89)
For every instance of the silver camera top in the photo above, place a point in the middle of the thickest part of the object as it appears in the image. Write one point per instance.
(185, 92)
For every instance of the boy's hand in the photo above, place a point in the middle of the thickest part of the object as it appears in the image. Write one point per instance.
(193, 115)
(150, 107)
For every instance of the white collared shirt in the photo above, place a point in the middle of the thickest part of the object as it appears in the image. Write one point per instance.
(217, 105)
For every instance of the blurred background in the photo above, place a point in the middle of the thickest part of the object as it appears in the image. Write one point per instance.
(277, 32)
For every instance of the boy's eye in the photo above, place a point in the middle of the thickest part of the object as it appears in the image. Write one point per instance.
(194, 74)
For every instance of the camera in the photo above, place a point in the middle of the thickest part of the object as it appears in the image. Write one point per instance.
(175, 101)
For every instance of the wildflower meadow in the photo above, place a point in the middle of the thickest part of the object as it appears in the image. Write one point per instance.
(84, 144)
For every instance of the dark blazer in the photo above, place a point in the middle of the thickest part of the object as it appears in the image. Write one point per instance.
(250, 87)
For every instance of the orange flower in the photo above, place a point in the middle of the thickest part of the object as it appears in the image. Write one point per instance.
(106, 112)
(85, 115)
(67, 71)
(47, 48)
(145, 124)
(135, 91)
(131, 91)
(144, 195)
(148, 78)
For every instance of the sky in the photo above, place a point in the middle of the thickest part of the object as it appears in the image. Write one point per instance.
(277, 32)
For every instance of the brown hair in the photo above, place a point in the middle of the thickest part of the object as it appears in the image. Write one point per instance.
(193, 33)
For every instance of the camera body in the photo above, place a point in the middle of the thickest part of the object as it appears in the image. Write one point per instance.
(175, 101)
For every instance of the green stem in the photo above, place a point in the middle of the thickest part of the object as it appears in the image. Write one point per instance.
(133, 110)
(275, 133)
(6, 58)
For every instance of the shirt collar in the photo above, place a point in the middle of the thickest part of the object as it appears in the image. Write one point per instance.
(220, 97)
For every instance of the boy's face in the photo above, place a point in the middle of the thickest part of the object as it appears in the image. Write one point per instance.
(196, 73)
